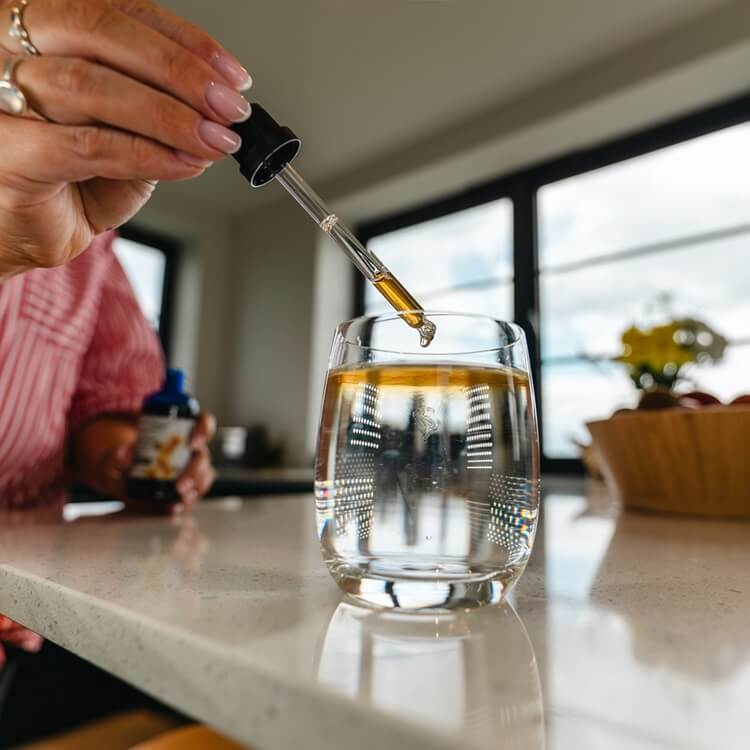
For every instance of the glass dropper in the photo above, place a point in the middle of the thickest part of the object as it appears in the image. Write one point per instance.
(266, 152)
(371, 267)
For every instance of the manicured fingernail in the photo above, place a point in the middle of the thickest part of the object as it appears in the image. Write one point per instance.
(185, 485)
(229, 66)
(226, 102)
(218, 137)
(193, 161)
(121, 454)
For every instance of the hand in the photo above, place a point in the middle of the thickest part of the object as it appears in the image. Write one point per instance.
(199, 474)
(124, 94)
(102, 454)
(13, 634)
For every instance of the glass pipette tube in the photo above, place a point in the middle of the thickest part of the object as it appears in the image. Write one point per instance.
(371, 267)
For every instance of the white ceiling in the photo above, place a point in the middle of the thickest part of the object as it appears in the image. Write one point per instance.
(358, 79)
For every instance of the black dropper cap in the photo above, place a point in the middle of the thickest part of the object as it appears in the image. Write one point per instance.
(267, 147)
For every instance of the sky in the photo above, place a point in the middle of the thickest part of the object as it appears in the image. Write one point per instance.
(699, 186)
(144, 267)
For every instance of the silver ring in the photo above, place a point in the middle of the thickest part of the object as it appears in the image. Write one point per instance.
(18, 31)
(12, 99)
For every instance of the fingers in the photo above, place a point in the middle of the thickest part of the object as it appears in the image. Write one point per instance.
(33, 152)
(98, 31)
(17, 635)
(24, 639)
(196, 480)
(72, 91)
(204, 430)
(191, 37)
(113, 471)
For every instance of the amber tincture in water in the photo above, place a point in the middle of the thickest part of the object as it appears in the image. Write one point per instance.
(427, 482)
(402, 301)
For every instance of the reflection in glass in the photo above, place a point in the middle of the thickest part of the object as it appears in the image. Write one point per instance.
(471, 674)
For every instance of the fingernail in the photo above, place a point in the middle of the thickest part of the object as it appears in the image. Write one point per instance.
(193, 161)
(121, 454)
(226, 102)
(218, 137)
(185, 485)
(229, 66)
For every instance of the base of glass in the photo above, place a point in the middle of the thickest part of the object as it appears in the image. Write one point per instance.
(433, 594)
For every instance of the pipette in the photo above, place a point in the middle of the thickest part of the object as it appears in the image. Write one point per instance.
(266, 154)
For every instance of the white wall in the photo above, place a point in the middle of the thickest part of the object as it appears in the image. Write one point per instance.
(199, 343)
(268, 360)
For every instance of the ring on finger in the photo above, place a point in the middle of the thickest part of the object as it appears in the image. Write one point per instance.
(12, 98)
(17, 29)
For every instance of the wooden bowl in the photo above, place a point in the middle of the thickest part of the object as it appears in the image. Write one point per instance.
(691, 461)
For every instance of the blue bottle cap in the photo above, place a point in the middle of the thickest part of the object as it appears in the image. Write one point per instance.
(175, 381)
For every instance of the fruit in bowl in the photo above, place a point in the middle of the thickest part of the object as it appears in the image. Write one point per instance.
(698, 399)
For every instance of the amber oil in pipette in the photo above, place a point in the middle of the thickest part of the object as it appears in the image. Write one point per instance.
(403, 302)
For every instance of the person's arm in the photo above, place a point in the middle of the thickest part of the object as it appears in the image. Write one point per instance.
(122, 366)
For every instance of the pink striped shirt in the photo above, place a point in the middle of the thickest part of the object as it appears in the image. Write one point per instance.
(73, 344)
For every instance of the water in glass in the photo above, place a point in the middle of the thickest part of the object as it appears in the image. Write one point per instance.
(427, 470)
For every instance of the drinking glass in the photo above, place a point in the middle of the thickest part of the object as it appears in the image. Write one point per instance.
(427, 472)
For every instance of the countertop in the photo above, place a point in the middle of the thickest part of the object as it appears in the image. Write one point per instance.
(626, 631)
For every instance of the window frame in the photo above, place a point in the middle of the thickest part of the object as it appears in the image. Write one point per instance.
(170, 247)
(521, 186)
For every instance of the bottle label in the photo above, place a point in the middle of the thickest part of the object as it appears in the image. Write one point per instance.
(163, 449)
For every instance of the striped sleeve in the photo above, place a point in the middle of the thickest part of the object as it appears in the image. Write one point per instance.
(124, 361)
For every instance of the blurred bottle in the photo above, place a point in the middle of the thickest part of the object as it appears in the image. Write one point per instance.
(163, 448)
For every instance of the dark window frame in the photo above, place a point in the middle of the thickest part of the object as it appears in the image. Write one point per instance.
(170, 248)
(521, 187)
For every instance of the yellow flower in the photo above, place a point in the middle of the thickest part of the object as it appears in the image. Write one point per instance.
(654, 349)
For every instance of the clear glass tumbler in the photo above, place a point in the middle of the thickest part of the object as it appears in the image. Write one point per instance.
(427, 473)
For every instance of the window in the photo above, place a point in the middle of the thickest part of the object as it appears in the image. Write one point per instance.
(580, 248)
(462, 261)
(673, 224)
(147, 259)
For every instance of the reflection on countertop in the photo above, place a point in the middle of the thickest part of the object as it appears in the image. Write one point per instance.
(472, 674)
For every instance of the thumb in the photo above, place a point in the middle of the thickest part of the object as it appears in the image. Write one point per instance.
(122, 457)
(114, 466)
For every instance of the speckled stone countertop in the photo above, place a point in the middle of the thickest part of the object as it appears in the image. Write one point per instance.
(631, 631)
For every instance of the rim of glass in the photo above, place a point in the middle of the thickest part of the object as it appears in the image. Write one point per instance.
(386, 316)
